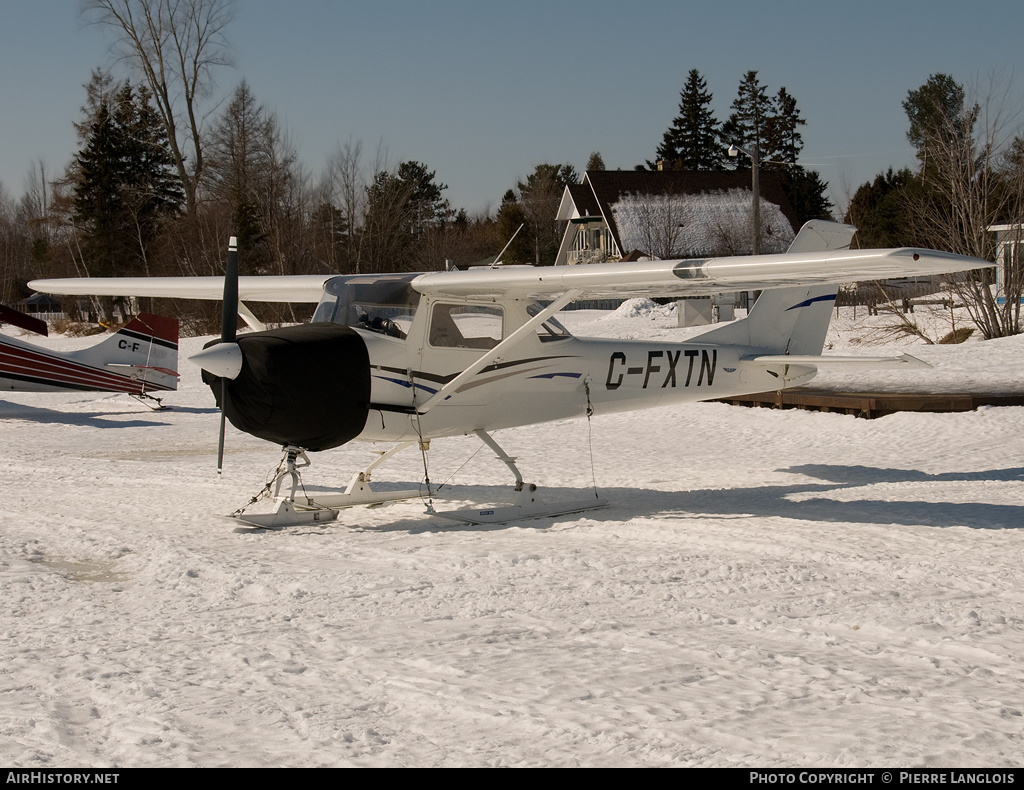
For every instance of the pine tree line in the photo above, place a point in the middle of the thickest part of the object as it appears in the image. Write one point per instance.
(696, 140)
(120, 208)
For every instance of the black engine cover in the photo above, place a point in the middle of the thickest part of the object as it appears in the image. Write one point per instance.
(306, 385)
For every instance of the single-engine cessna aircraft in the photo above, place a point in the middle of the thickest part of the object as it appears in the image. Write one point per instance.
(139, 359)
(408, 358)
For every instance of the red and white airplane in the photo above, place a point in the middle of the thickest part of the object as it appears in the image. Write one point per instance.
(139, 359)
(408, 358)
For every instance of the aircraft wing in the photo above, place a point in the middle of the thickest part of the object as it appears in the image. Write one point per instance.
(301, 288)
(695, 277)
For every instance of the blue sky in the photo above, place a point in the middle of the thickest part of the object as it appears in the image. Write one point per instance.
(483, 91)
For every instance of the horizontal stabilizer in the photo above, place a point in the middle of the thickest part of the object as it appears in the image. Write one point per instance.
(901, 361)
(26, 322)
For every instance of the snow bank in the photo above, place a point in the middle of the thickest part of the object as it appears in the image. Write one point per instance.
(767, 588)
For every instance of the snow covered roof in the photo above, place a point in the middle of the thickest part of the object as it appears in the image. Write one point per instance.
(640, 207)
(698, 225)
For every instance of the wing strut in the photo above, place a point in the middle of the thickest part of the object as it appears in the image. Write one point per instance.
(503, 347)
(254, 323)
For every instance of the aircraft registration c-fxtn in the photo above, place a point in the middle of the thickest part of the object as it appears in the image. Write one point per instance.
(409, 358)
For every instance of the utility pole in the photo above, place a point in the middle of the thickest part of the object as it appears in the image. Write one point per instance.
(752, 152)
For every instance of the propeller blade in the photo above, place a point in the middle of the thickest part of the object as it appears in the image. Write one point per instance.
(229, 314)
(228, 332)
(220, 440)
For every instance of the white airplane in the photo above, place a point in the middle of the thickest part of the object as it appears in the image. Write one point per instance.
(409, 358)
(139, 359)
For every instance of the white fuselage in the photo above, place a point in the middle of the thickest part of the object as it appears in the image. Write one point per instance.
(544, 377)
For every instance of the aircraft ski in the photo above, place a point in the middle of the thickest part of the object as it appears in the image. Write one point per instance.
(297, 507)
(526, 505)
(409, 358)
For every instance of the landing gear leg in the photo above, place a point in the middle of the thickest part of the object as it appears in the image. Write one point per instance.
(526, 502)
(144, 398)
(295, 458)
(507, 459)
(298, 507)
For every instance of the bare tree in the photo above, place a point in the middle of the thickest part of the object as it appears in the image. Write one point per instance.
(11, 247)
(384, 245)
(174, 45)
(660, 219)
(343, 194)
(972, 183)
(539, 196)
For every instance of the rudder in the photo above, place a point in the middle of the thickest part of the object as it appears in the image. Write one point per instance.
(145, 349)
(792, 320)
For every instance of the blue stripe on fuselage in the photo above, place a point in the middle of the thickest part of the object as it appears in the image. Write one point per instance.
(809, 302)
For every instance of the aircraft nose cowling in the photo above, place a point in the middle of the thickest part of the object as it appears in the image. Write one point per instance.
(306, 385)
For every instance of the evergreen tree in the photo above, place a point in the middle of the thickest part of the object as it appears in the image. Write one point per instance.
(782, 145)
(124, 182)
(782, 142)
(692, 141)
(151, 186)
(881, 210)
(404, 210)
(385, 236)
(805, 192)
(426, 207)
(752, 109)
(511, 217)
(937, 116)
(98, 208)
(772, 125)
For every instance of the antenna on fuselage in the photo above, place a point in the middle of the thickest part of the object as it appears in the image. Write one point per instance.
(497, 261)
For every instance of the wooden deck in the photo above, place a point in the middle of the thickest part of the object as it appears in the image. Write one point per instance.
(871, 404)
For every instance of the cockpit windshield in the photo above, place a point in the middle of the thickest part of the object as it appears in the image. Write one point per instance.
(384, 303)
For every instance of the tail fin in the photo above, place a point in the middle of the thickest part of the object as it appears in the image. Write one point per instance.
(790, 320)
(820, 235)
(144, 351)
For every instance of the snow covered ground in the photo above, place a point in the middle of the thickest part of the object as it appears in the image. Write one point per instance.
(767, 588)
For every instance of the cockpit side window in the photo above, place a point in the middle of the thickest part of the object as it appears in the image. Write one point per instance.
(465, 326)
(377, 303)
(551, 329)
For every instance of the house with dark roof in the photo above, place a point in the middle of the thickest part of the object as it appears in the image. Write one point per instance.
(625, 215)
